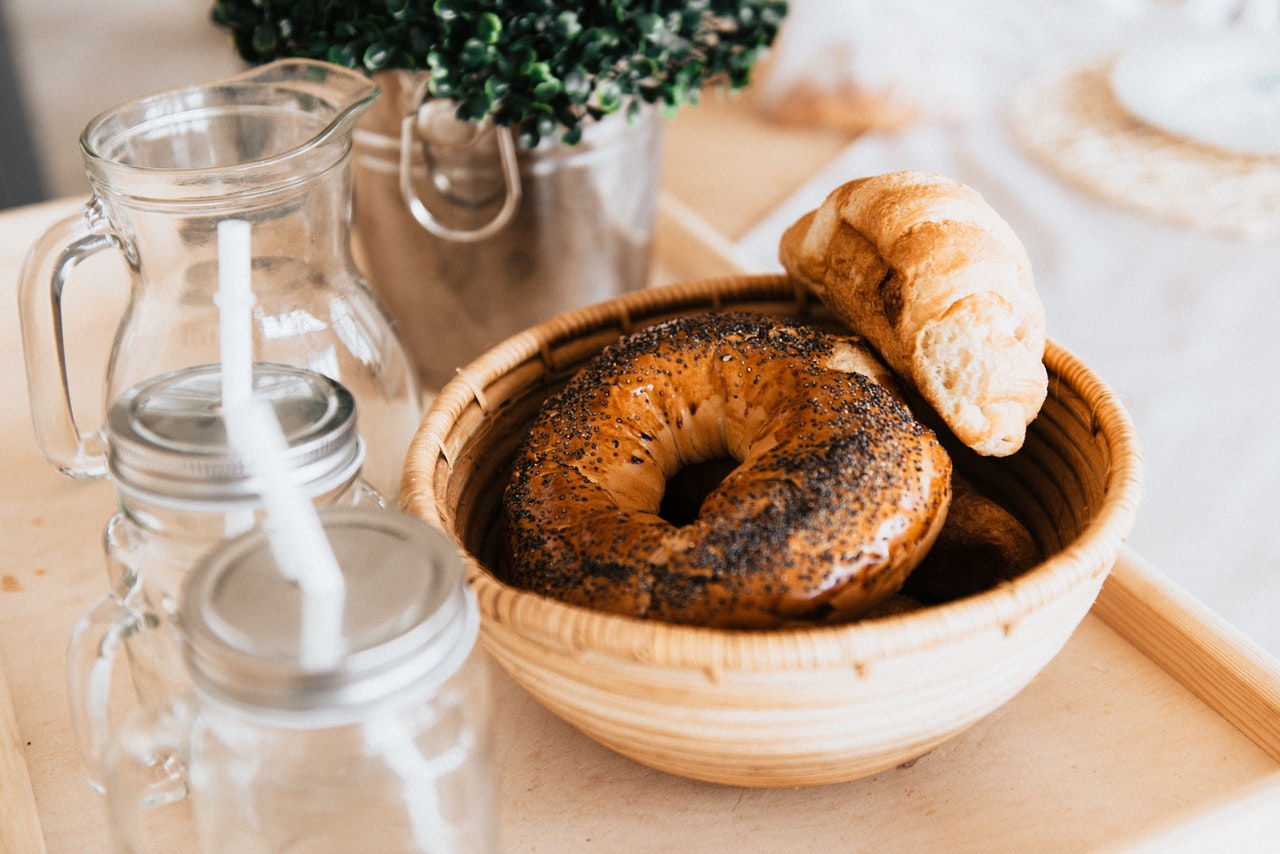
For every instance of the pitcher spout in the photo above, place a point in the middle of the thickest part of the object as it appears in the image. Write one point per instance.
(336, 90)
(278, 123)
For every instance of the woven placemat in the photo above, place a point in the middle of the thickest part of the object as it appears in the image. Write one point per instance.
(1072, 123)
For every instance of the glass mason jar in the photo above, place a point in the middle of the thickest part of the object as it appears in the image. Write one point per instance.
(181, 490)
(387, 750)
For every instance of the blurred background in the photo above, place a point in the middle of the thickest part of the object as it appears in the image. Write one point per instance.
(65, 61)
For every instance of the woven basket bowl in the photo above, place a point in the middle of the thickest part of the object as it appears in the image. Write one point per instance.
(788, 707)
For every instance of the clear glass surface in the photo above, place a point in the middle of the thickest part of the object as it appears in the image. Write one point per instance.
(271, 147)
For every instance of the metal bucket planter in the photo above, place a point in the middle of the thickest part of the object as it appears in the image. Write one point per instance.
(468, 238)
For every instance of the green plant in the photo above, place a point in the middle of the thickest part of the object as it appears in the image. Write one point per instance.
(536, 65)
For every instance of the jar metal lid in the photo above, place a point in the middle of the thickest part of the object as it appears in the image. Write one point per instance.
(167, 440)
(409, 619)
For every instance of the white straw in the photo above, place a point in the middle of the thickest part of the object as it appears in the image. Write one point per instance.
(297, 538)
(235, 303)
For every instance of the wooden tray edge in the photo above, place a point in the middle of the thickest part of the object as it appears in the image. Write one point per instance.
(1214, 660)
(20, 828)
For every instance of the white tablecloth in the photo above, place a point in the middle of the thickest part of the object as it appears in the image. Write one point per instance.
(1182, 323)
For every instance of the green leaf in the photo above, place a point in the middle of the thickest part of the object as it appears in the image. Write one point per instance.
(547, 90)
(489, 28)
(650, 26)
(376, 56)
(538, 72)
(264, 39)
(474, 52)
(608, 96)
(567, 24)
(342, 54)
(495, 89)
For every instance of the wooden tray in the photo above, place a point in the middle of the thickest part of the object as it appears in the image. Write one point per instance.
(1157, 728)
(1130, 739)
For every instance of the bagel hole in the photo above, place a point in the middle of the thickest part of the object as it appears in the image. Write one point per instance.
(688, 488)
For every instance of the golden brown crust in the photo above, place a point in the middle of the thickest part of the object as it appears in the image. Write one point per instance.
(839, 493)
(981, 545)
(939, 284)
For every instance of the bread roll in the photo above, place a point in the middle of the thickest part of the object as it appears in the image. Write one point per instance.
(981, 545)
(923, 268)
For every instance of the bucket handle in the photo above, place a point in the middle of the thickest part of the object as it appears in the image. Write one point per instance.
(510, 179)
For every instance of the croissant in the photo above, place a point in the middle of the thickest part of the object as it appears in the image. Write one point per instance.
(937, 282)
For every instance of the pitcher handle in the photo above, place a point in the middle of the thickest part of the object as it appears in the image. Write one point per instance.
(91, 656)
(510, 179)
(40, 286)
(144, 770)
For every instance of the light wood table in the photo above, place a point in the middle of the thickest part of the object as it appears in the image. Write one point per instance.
(1157, 726)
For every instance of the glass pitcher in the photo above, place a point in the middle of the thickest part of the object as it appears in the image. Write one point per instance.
(271, 146)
